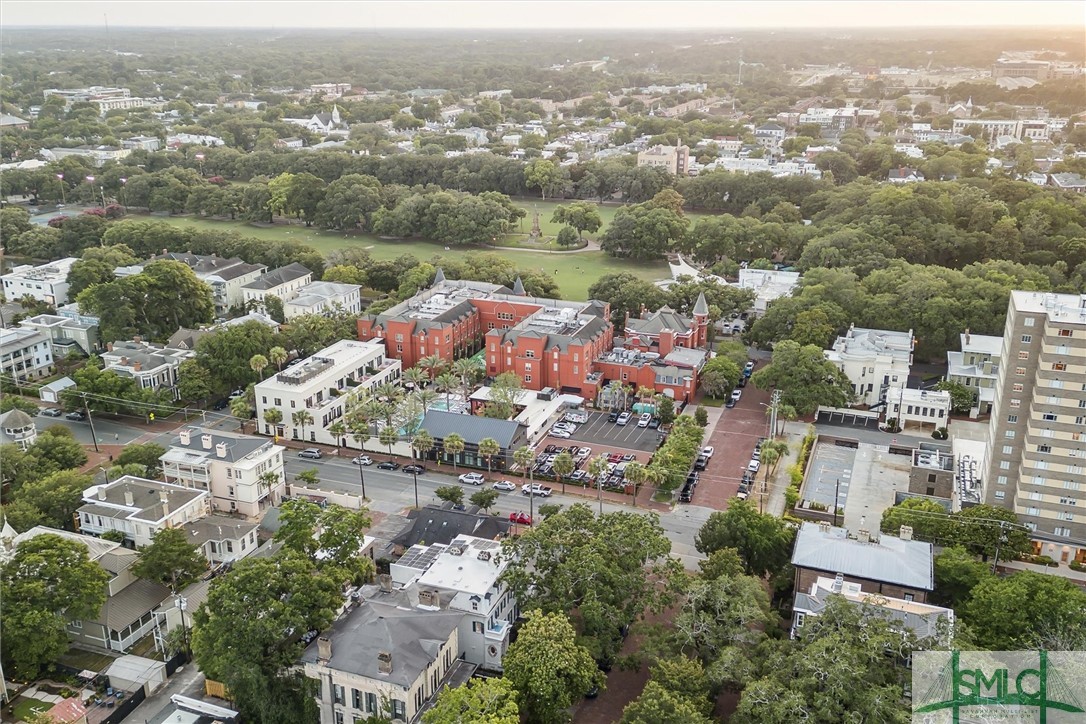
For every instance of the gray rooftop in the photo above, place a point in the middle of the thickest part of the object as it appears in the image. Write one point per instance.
(441, 524)
(110, 499)
(131, 604)
(238, 447)
(413, 638)
(282, 275)
(473, 429)
(217, 528)
(663, 318)
(891, 560)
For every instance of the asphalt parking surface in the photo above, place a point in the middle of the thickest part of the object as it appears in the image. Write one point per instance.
(604, 435)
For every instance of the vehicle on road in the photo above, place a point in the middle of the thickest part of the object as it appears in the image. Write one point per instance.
(311, 452)
(623, 419)
(731, 403)
(505, 485)
(520, 518)
(748, 368)
(701, 463)
(222, 404)
(472, 478)
(742, 382)
(708, 451)
(50, 412)
(736, 395)
(362, 460)
(536, 489)
(562, 434)
(388, 465)
(413, 469)
(76, 415)
(644, 420)
(687, 493)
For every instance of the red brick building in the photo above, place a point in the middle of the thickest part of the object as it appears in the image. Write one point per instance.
(547, 343)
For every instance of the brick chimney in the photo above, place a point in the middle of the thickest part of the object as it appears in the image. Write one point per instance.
(324, 647)
(137, 366)
(667, 342)
(384, 662)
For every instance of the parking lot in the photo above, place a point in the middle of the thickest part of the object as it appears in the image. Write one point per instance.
(599, 433)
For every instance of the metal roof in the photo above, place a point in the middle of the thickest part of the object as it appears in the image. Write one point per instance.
(890, 560)
(473, 429)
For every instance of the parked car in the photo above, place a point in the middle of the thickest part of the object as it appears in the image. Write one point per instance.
(550, 449)
(578, 476)
(520, 518)
(612, 416)
(644, 420)
(561, 434)
(701, 462)
(237, 393)
(708, 451)
(311, 452)
(736, 395)
(50, 412)
(414, 469)
(743, 493)
(505, 485)
(654, 423)
(362, 460)
(756, 455)
(748, 368)
(623, 419)
(472, 478)
(742, 381)
(222, 404)
(753, 466)
(388, 465)
(583, 453)
(731, 403)
(577, 416)
(536, 489)
(76, 415)
(686, 494)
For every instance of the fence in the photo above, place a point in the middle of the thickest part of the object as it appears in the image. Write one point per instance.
(175, 663)
(125, 707)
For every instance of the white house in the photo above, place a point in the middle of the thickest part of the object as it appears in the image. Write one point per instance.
(242, 474)
(193, 139)
(25, 354)
(920, 408)
(18, 428)
(143, 143)
(767, 284)
(283, 283)
(322, 297)
(98, 155)
(154, 367)
(977, 366)
(904, 175)
(321, 122)
(322, 386)
(139, 508)
(47, 283)
(67, 335)
(874, 360)
(223, 539)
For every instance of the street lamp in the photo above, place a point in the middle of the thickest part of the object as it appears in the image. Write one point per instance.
(362, 478)
(182, 603)
(415, 475)
(63, 195)
(200, 159)
(123, 182)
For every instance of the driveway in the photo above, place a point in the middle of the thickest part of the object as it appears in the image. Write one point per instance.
(734, 437)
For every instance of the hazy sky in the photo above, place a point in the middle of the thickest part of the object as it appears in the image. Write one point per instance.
(578, 14)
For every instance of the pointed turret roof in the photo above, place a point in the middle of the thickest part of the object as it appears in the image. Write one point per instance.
(518, 287)
(440, 276)
(701, 307)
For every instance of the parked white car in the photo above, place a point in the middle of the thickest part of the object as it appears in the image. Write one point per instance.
(563, 434)
(505, 485)
(754, 465)
(362, 460)
(644, 420)
(708, 451)
(576, 416)
(536, 489)
(472, 478)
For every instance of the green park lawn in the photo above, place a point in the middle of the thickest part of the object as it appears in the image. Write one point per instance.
(575, 272)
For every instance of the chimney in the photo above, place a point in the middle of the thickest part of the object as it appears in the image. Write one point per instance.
(906, 532)
(137, 339)
(864, 536)
(324, 647)
(129, 499)
(384, 662)
(101, 492)
(220, 449)
(186, 438)
(823, 527)
(838, 583)
(967, 335)
(137, 366)
(386, 582)
(109, 346)
(124, 361)
(205, 440)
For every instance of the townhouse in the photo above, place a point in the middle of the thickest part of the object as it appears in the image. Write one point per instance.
(874, 360)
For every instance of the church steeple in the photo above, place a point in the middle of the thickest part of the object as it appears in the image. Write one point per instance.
(518, 288)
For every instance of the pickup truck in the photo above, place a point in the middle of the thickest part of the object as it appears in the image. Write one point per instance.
(536, 489)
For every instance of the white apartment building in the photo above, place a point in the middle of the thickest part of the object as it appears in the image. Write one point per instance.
(284, 283)
(1035, 130)
(1037, 435)
(323, 386)
(85, 95)
(113, 104)
(770, 137)
(153, 366)
(226, 277)
(768, 285)
(47, 283)
(673, 159)
(917, 408)
(144, 143)
(139, 508)
(98, 155)
(236, 470)
(874, 360)
(66, 334)
(977, 367)
(324, 297)
(25, 354)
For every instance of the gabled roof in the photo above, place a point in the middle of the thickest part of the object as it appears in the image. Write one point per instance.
(663, 318)
(413, 639)
(131, 604)
(437, 524)
(279, 276)
(891, 560)
(472, 428)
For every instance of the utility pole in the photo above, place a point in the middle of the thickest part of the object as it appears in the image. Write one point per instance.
(999, 541)
(836, 492)
(362, 478)
(90, 419)
(774, 402)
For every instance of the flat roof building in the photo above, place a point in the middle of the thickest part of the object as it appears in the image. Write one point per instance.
(47, 283)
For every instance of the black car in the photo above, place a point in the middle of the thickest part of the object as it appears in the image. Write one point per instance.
(732, 402)
(388, 465)
(742, 382)
(692, 479)
(686, 494)
(222, 404)
(701, 462)
(415, 469)
(76, 415)
(612, 416)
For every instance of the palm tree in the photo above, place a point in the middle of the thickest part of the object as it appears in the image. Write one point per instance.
(338, 430)
(488, 448)
(359, 426)
(614, 388)
(239, 408)
(424, 397)
(267, 480)
(277, 356)
(422, 443)
(388, 392)
(415, 377)
(466, 369)
(446, 382)
(654, 477)
(524, 457)
(453, 445)
(432, 365)
(273, 416)
(258, 362)
(772, 451)
(388, 436)
(636, 474)
(301, 418)
(595, 470)
(563, 466)
(645, 393)
(785, 413)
